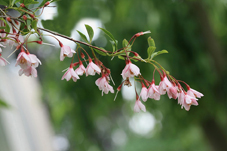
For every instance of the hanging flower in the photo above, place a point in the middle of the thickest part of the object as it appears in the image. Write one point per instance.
(139, 106)
(103, 85)
(164, 85)
(23, 60)
(70, 73)
(3, 61)
(92, 68)
(66, 51)
(143, 93)
(194, 93)
(29, 71)
(81, 69)
(130, 70)
(153, 92)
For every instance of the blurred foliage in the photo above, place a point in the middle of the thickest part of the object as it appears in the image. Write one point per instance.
(193, 32)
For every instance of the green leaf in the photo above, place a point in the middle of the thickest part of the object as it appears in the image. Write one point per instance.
(114, 45)
(158, 53)
(150, 51)
(28, 23)
(151, 42)
(83, 36)
(108, 34)
(3, 104)
(34, 24)
(27, 2)
(4, 2)
(24, 28)
(7, 27)
(90, 32)
(100, 52)
(120, 57)
(134, 59)
(111, 37)
(126, 46)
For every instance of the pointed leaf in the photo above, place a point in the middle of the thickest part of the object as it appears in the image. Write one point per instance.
(7, 27)
(108, 34)
(151, 42)
(27, 2)
(150, 51)
(126, 46)
(158, 53)
(100, 52)
(114, 45)
(34, 24)
(111, 37)
(120, 57)
(83, 36)
(4, 2)
(90, 32)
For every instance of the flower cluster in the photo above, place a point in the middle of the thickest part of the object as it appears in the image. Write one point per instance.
(12, 29)
(173, 89)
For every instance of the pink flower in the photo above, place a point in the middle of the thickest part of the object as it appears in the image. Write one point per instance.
(139, 106)
(172, 92)
(153, 92)
(23, 60)
(130, 70)
(103, 85)
(164, 85)
(181, 97)
(188, 101)
(81, 69)
(3, 61)
(30, 71)
(194, 93)
(34, 60)
(92, 68)
(143, 93)
(70, 73)
(66, 51)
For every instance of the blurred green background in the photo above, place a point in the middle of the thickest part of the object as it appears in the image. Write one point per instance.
(195, 34)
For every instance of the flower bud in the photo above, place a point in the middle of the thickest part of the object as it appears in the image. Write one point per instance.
(8, 19)
(22, 5)
(16, 22)
(39, 42)
(32, 15)
(82, 55)
(25, 17)
(47, 3)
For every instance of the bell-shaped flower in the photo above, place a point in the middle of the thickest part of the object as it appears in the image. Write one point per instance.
(188, 101)
(194, 93)
(153, 92)
(92, 68)
(103, 85)
(139, 106)
(81, 69)
(30, 71)
(70, 73)
(3, 61)
(172, 92)
(181, 97)
(34, 60)
(143, 93)
(130, 70)
(66, 51)
(23, 60)
(164, 85)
